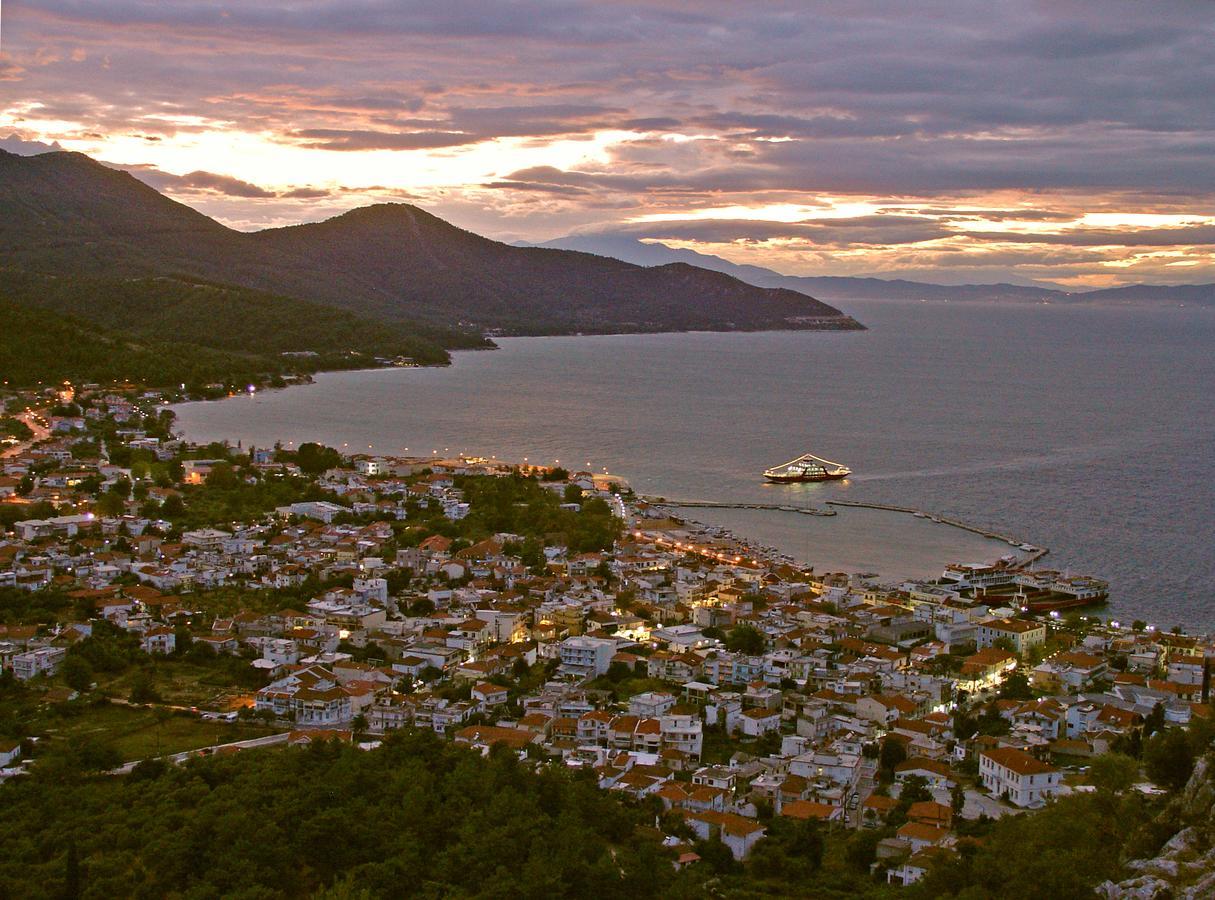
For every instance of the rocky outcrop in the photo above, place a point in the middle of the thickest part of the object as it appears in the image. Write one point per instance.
(1184, 869)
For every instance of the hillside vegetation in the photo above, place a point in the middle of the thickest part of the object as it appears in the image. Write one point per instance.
(66, 214)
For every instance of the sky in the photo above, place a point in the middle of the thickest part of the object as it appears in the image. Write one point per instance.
(1061, 142)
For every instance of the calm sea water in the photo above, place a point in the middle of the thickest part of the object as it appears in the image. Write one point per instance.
(1088, 431)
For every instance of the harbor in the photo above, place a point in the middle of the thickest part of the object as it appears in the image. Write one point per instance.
(1032, 553)
(712, 504)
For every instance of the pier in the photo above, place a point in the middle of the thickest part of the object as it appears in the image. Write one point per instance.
(711, 504)
(1031, 557)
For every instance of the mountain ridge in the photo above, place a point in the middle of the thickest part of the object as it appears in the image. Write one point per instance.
(841, 288)
(65, 213)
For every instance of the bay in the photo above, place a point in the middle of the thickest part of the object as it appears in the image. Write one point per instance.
(1086, 430)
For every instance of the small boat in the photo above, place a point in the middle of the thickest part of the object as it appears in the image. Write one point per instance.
(807, 468)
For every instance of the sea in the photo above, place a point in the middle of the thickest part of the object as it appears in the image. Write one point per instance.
(1089, 431)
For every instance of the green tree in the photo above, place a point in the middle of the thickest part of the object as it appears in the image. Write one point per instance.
(143, 688)
(746, 639)
(1016, 687)
(892, 753)
(315, 459)
(1114, 773)
(1169, 758)
(77, 673)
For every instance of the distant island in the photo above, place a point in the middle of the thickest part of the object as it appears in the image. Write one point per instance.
(836, 288)
(111, 259)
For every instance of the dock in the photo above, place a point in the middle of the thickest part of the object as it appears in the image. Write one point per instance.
(712, 504)
(1032, 556)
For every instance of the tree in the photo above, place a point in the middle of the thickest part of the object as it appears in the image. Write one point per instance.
(1169, 758)
(1113, 773)
(746, 639)
(572, 493)
(861, 850)
(957, 799)
(892, 753)
(1016, 687)
(315, 459)
(77, 673)
(72, 880)
(915, 790)
(143, 689)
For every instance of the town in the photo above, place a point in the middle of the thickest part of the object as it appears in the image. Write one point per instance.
(165, 600)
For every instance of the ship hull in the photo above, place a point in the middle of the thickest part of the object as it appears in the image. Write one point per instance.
(788, 479)
(1053, 604)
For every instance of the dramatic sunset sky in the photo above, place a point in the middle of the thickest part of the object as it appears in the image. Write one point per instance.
(1063, 142)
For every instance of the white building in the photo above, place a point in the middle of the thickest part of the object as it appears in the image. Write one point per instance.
(1027, 781)
(1022, 635)
(587, 656)
(43, 661)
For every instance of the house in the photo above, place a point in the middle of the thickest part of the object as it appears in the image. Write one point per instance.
(937, 774)
(885, 709)
(758, 722)
(484, 737)
(1021, 635)
(1025, 780)
(42, 661)
(159, 639)
(651, 704)
(808, 809)
(984, 670)
(921, 836)
(739, 834)
(311, 696)
(681, 730)
(10, 752)
(586, 656)
(488, 694)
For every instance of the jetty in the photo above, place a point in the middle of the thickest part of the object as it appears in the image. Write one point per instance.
(712, 504)
(1033, 554)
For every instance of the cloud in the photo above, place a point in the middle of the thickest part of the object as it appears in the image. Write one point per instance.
(196, 181)
(337, 139)
(526, 118)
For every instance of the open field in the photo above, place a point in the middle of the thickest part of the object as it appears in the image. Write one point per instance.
(142, 732)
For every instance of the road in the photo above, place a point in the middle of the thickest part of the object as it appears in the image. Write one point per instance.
(270, 740)
(864, 787)
(35, 420)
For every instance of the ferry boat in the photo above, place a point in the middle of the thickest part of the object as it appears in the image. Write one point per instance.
(807, 468)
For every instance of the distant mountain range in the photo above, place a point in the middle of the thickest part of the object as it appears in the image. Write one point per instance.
(68, 215)
(835, 289)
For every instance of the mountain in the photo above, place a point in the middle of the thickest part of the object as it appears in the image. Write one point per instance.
(837, 288)
(63, 213)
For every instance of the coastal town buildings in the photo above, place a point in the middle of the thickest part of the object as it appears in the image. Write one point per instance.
(669, 660)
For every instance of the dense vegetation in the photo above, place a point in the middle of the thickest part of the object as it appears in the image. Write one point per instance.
(523, 506)
(65, 213)
(41, 346)
(236, 320)
(417, 818)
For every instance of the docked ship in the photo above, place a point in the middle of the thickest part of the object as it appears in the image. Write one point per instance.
(807, 468)
(1046, 591)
